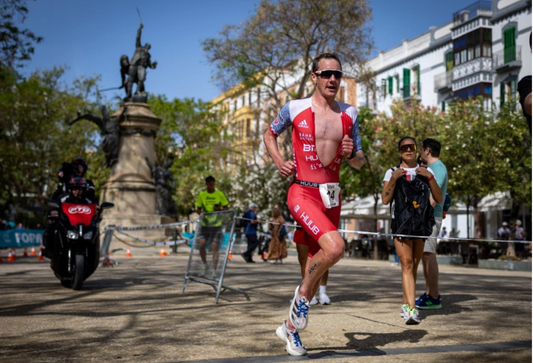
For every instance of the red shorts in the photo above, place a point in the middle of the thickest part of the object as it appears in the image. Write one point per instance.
(309, 212)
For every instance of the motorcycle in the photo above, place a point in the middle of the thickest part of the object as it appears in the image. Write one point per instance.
(76, 241)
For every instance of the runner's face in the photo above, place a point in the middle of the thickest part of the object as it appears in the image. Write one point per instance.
(210, 186)
(327, 87)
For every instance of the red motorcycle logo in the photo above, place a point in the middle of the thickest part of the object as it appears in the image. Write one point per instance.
(80, 209)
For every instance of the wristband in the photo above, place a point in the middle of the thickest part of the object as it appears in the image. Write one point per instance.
(431, 177)
(352, 155)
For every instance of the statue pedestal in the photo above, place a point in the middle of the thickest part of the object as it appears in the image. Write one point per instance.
(130, 186)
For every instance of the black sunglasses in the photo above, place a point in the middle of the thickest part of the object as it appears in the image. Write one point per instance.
(326, 73)
(407, 147)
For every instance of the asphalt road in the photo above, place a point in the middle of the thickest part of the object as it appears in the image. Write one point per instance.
(135, 312)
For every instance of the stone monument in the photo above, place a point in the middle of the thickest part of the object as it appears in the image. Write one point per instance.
(130, 185)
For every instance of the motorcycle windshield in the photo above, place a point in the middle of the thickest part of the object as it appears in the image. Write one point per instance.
(79, 213)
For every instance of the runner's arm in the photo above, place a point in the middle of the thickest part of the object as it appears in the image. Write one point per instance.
(280, 124)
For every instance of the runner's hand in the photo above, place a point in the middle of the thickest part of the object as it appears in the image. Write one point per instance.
(286, 169)
(347, 146)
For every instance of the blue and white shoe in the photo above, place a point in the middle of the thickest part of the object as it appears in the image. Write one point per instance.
(298, 310)
(294, 344)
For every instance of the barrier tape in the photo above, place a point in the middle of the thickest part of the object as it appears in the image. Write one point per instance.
(154, 243)
(155, 226)
(379, 234)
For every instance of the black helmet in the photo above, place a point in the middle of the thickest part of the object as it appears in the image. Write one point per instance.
(77, 182)
(79, 161)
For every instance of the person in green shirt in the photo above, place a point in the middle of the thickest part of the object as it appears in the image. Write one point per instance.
(210, 200)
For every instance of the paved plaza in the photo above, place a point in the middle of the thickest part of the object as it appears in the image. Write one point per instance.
(135, 312)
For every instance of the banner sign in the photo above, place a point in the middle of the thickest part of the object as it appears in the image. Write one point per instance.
(20, 238)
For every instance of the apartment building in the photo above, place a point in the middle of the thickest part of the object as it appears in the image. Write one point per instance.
(483, 51)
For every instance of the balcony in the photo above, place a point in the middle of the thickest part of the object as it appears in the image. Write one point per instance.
(483, 64)
(508, 59)
(443, 82)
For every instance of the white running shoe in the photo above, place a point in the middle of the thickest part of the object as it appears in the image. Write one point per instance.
(324, 299)
(313, 301)
(413, 318)
(294, 344)
(404, 311)
(298, 310)
(204, 269)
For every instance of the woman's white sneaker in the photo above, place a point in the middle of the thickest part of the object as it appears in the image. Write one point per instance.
(298, 310)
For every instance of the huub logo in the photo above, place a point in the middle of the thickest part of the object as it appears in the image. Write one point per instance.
(79, 209)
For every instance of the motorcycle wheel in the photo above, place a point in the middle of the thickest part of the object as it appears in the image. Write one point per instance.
(66, 283)
(79, 272)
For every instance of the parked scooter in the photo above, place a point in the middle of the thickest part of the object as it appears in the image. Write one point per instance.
(76, 240)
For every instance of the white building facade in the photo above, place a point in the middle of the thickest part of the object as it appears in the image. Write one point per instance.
(484, 50)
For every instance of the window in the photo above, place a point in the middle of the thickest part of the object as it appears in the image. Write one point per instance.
(248, 128)
(406, 82)
(258, 97)
(391, 81)
(457, 59)
(477, 51)
(507, 91)
(509, 44)
(487, 50)
(463, 56)
(397, 77)
(384, 87)
(470, 52)
(449, 61)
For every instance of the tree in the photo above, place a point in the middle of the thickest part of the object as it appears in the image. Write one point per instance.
(35, 139)
(191, 132)
(486, 152)
(16, 44)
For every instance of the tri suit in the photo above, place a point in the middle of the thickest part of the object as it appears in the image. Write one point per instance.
(304, 198)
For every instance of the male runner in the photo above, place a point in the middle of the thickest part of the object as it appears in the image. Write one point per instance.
(323, 131)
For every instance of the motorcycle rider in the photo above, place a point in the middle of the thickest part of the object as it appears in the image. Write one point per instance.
(77, 188)
(68, 171)
(77, 168)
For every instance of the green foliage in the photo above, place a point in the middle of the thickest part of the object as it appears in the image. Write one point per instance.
(191, 132)
(35, 139)
(16, 44)
(484, 151)
(284, 36)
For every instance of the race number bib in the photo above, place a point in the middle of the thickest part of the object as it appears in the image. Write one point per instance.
(330, 193)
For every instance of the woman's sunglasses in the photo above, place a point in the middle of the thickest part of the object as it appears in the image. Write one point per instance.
(326, 73)
(407, 147)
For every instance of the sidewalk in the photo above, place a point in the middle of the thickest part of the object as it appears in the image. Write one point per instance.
(136, 313)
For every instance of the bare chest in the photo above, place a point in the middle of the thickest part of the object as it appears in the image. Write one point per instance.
(328, 127)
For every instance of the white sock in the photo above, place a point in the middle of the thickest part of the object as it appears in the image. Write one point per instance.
(322, 289)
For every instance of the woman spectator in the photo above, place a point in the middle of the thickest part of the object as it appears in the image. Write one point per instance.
(278, 248)
(410, 250)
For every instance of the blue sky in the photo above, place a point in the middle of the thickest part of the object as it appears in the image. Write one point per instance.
(89, 36)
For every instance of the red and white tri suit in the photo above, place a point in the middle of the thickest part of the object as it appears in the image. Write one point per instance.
(304, 201)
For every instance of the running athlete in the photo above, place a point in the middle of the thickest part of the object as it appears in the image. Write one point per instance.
(323, 131)
(210, 200)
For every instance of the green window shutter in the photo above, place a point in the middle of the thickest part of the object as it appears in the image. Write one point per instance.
(390, 85)
(509, 44)
(449, 61)
(406, 82)
(502, 94)
(443, 106)
(418, 80)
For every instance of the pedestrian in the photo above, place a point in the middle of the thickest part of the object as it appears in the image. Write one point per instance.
(443, 233)
(278, 248)
(251, 232)
(208, 201)
(519, 235)
(323, 132)
(409, 249)
(455, 234)
(430, 299)
(20, 226)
